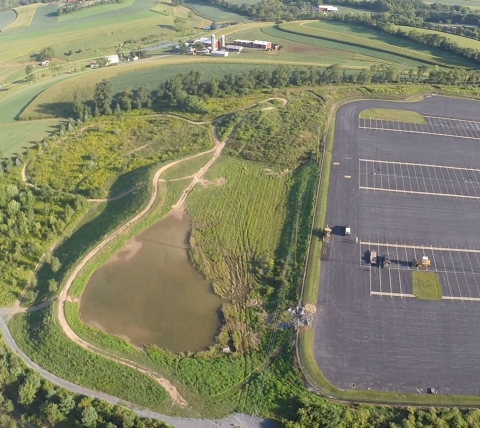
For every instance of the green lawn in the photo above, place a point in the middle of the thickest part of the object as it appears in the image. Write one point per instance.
(463, 42)
(22, 134)
(94, 10)
(426, 285)
(391, 114)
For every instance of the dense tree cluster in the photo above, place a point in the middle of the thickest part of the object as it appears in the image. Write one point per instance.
(73, 7)
(318, 412)
(31, 218)
(25, 393)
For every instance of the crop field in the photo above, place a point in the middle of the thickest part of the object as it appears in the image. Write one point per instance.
(293, 51)
(105, 35)
(22, 134)
(6, 18)
(94, 10)
(463, 42)
(95, 156)
(24, 16)
(214, 13)
(362, 40)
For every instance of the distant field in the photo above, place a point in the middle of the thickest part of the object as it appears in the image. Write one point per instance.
(21, 134)
(301, 52)
(356, 37)
(94, 38)
(24, 16)
(94, 10)
(6, 18)
(214, 13)
(463, 42)
(473, 4)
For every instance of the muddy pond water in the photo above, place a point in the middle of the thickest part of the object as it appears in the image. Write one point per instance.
(149, 293)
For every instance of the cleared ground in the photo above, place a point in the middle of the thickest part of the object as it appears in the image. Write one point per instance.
(370, 330)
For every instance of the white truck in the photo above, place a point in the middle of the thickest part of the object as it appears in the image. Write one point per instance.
(347, 230)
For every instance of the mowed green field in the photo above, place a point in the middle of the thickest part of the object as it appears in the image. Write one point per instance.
(463, 42)
(364, 40)
(90, 11)
(17, 135)
(214, 13)
(6, 18)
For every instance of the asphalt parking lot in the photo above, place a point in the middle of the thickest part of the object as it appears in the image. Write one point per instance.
(407, 194)
(434, 125)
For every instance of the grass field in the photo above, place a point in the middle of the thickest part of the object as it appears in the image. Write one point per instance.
(463, 42)
(20, 134)
(95, 10)
(24, 16)
(391, 114)
(214, 13)
(6, 18)
(186, 168)
(378, 44)
(426, 285)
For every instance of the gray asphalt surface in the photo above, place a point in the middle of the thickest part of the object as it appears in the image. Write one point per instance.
(236, 420)
(393, 343)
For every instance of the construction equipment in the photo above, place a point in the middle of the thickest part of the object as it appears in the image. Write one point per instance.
(326, 234)
(423, 262)
(386, 261)
(373, 257)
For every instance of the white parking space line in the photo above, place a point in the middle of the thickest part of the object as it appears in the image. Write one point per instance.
(455, 272)
(465, 275)
(379, 293)
(474, 276)
(399, 276)
(386, 244)
(370, 271)
(419, 193)
(422, 164)
(468, 299)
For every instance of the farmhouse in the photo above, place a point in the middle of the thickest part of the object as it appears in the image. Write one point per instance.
(112, 59)
(327, 9)
(208, 42)
(257, 44)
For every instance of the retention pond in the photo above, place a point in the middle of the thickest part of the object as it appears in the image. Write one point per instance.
(149, 293)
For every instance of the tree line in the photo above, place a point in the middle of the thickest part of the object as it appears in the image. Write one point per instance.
(187, 92)
(74, 7)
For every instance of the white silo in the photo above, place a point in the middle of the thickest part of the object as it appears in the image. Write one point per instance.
(213, 42)
(222, 42)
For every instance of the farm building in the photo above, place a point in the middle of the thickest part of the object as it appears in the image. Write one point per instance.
(327, 9)
(208, 42)
(219, 53)
(234, 49)
(257, 44)
(112, 59)
(94, 64)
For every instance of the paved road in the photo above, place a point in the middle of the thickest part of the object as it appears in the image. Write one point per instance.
(235, 420)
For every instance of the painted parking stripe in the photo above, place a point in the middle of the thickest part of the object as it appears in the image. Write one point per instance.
(419, 193)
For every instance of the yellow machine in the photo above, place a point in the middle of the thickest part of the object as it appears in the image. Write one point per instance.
(326, 234)
(424, 262)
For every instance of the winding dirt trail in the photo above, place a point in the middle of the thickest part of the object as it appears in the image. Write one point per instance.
(63, 296)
